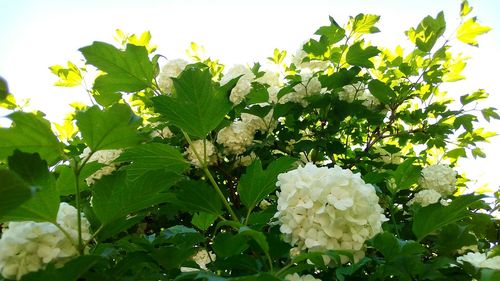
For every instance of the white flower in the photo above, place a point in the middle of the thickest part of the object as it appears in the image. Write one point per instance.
(202, 258)
(164, 133)
(206, 151)
(357, 91)
(171, 70)
(440, 178)
(425, 197)
(327, 209)
(29, 246)
(480, 260)
(105, 157)
(297, 277)
(270, 78)
(244, 84)
(236, 137)
(257, 123)
(308, 86)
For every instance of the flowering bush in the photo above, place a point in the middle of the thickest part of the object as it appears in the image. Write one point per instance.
(315, 166)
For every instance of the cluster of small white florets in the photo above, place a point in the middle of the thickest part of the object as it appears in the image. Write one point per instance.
(201, 258)
(322, 208)
(308, 86)
(240, 134)
(440, 178)
(480, 260)
(357, 91)
(244, 84)
(164, 133)
(437, 181)
(297, 277)
(105, 157)
(29, 246)
(170, 70)
(205, 151)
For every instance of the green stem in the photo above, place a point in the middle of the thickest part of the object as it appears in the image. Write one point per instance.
(65, 234)
(283, 269)
(210, 177)
(78, 209)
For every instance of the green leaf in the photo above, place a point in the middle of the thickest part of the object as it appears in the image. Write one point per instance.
(469, 30)
(476, 96)
(263, 276)
(150, 157)
(44, 204)
(13, 191)
(114, 197)
(129, 70)
(71, 271)
(227, 244)
(197, 196)
(364, 24)
(434, 217)
(258, 94)
(198, 105)
(4, 89)
(111, 128)
(317, 48)
(358, 56)
(69, 76)
(406, 174)
(490, 112)
(428, 32)
(465, 9)
(203, 220)
(30, 133)
(256, 184)
(66, 181)
(171, 257)
(381, 91)
(340, 78)
(392, 247)
(258, 236)
(333, 32)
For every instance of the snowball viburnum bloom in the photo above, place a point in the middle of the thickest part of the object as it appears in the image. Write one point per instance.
(207, 150)
(105, 157)
(236, 137)
(29, 246)
(170, 70)
(440, 178)
(357, 91)
(297, 277)
(244, 84)
(309, 86)
(480, 260)
(425, 197)
(322, 208)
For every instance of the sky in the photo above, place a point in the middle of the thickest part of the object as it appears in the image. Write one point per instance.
(37, 34)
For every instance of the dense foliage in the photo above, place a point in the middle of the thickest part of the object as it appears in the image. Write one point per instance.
(335, 163)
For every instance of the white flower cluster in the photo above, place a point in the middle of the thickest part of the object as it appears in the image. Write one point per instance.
(239, 135)
(308, 86)
(437, 181)
(207, 150)
(164, 133)
(244, 85)
(357, 91)
(440, 178)
(201, 258)
(297, 277)
(480, 260)
(170, 70)
(425, 197)
(105, 157)
(29, 246)
(327, 209)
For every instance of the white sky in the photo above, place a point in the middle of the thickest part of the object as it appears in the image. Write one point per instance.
(37, 34)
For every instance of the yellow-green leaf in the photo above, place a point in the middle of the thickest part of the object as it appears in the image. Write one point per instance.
(469, 30)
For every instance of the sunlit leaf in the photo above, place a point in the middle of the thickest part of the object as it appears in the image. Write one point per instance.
(469, 30)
